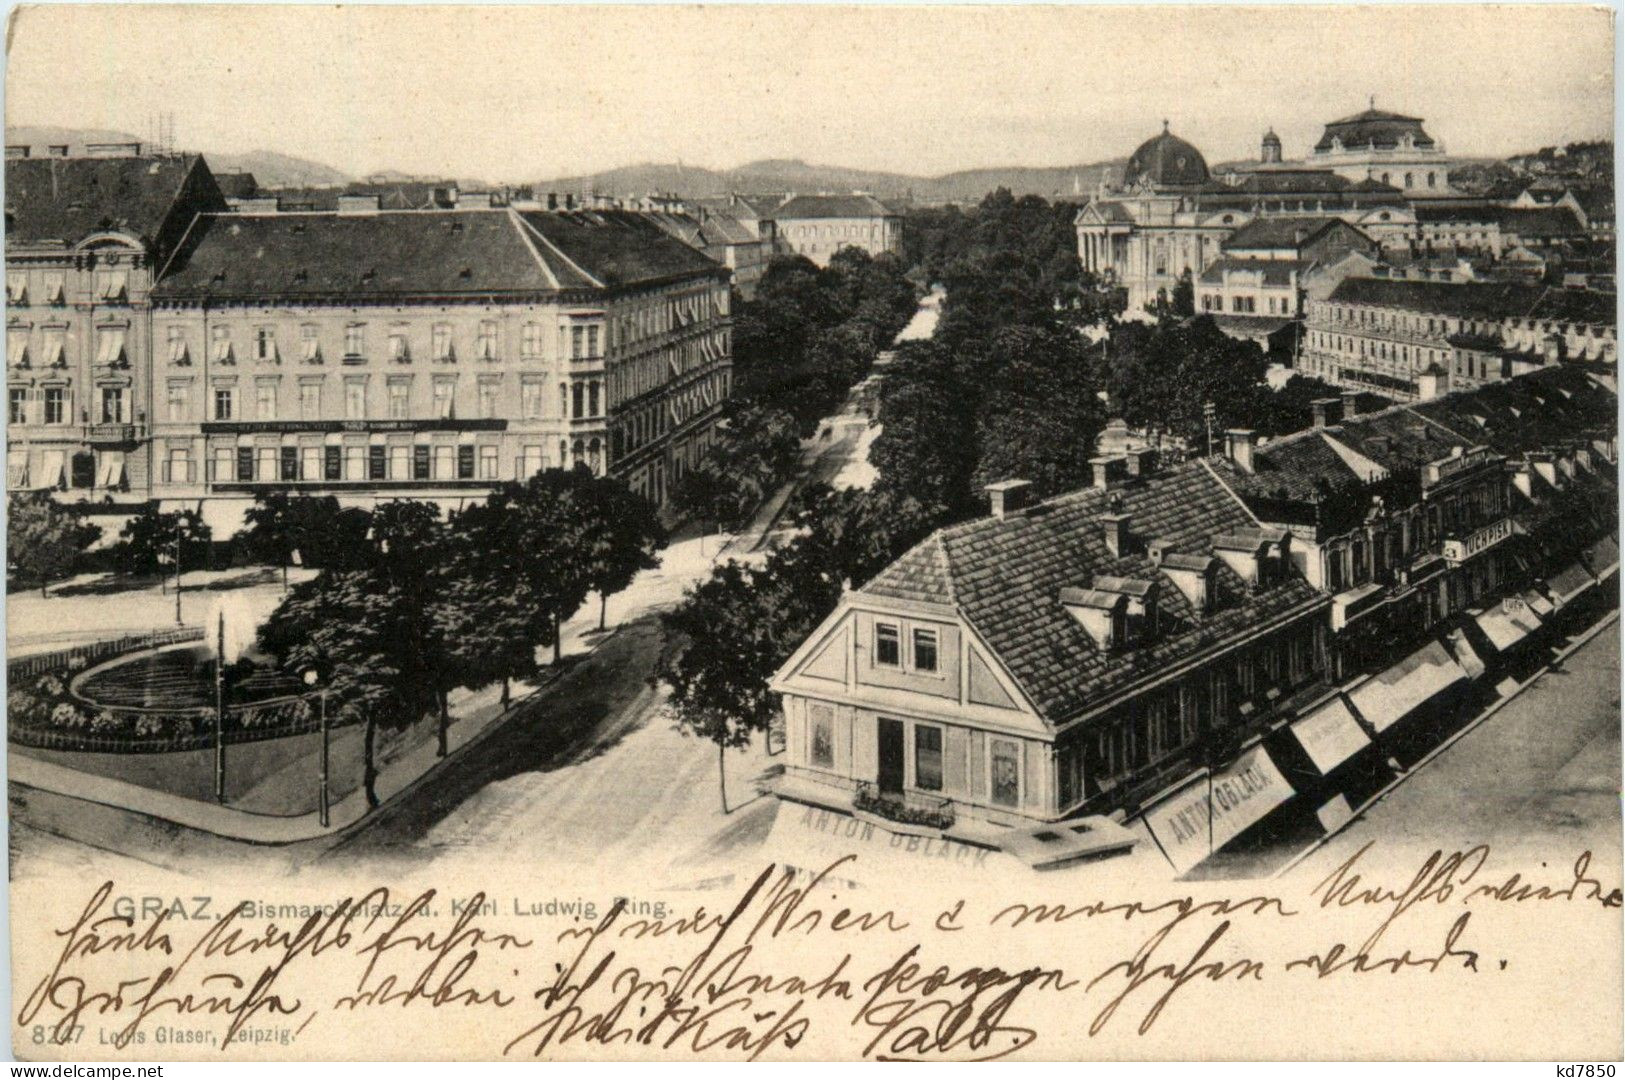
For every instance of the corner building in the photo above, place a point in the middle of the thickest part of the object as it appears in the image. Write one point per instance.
(430, 354)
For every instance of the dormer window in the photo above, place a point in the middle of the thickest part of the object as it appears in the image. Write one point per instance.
(1115, 612)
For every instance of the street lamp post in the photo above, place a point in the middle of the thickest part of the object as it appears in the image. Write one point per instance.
(312, 677)
(177, 571)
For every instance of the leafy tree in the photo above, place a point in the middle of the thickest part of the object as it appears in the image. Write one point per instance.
(622, 536)
(708, 493)
(148, 540)
(1042, 411)
(279, 526)
(1160, 376)
(724, 641)
(357, 628)
(45, 538)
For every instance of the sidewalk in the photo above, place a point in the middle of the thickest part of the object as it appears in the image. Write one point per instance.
(413, 767)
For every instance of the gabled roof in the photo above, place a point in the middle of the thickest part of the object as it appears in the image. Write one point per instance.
(237, 185)
(1006, 578)
(799, 207)
(618, 247)
(68, 199)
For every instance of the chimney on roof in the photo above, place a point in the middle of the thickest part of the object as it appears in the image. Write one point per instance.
(1117, 531)
(1140, 462)
(358, 204)
(1238, 447)
(1326, 411)
(1008, 497)
(56, 150)
(1106, 472)
(1351, 404)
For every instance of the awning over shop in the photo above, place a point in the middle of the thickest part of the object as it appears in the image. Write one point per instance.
(1567, 584)
(1330, 735)
(1538, 603)
(1389, 697)
(1603, 557)
(1242, 794)
(1462, 649)
(224, 517)
(1508, 623)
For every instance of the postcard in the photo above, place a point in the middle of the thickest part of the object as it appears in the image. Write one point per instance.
(754, 533)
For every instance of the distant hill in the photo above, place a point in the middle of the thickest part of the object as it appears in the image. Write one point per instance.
(780, 175)
(270, 169)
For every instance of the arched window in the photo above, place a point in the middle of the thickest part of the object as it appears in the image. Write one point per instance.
(577, 449)
(1410, 181)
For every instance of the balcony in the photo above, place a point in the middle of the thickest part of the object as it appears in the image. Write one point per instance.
(912, 810)
(114, 434)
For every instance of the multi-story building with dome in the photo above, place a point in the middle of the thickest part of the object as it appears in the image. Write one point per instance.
(1388, 148)
(1169, 216)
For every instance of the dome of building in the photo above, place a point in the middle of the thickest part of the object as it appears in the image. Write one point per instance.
(1270, 150)
(1166, 161)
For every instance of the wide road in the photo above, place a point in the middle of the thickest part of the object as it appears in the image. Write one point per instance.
(1540, 776)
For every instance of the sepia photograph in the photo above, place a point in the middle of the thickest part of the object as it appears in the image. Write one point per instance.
(812, 533)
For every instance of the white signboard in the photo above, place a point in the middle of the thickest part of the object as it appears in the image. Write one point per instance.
(1242, 794)
(1330, 735)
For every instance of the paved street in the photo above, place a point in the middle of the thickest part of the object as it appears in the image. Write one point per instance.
(1539, 776)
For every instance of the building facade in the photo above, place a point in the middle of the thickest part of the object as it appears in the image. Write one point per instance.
(1414, 339)
(375, 354)
(85, 239)
(1386, 147)
(1051, 662)
(1168, 218)
(818, 226)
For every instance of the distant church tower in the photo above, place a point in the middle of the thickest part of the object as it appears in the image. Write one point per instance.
(1270, 152)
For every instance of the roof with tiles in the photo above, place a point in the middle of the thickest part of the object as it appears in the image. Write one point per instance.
(1276, 272)
(311, 256)
(1478, 300)
(1532, 412)
(411, 253)
(1278, 233)
(799, 207)
(69, 199)
(1006, 577)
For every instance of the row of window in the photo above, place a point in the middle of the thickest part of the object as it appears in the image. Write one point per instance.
(111, 347)
(849, 232)
(1004, 755)
(1247, 305)
(1378, 350)
(922, 652)
(356, 462)
(398, 343)
(578, 400)
(111, 286)
(666, 314)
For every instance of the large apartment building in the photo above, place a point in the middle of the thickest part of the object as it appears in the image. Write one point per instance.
(373, 353)
(162, 346)
(85, 238)
(1413, 339)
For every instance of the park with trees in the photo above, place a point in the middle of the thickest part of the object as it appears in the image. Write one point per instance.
(1029, 360)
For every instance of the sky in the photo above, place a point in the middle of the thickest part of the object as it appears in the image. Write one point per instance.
(519, 94)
